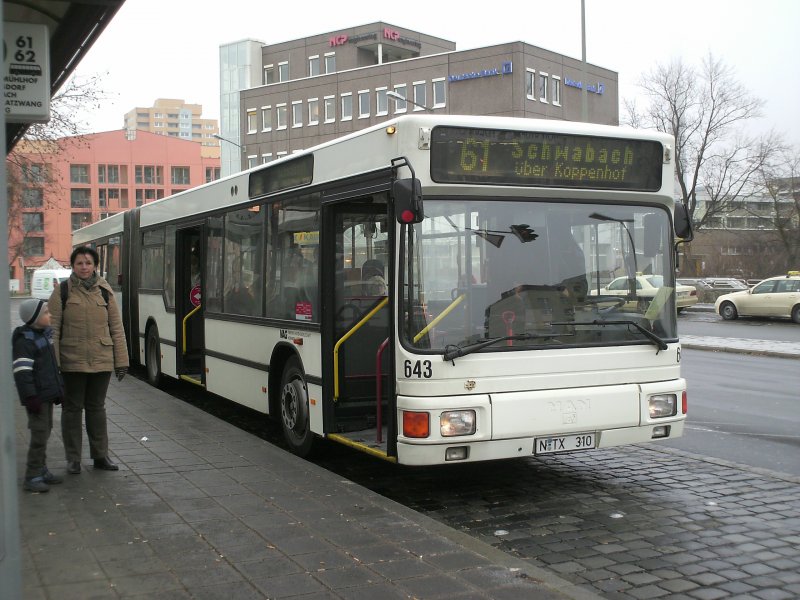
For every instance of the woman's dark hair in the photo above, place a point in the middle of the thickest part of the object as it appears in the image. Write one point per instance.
(84, 250)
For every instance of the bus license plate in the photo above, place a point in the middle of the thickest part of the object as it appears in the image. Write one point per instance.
(564, 443)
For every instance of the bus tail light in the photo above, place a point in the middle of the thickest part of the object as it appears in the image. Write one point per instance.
(663, 405)
(457, 422)
(416, 424)
(684, 403)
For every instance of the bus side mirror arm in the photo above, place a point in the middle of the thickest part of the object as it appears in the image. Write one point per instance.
(407, 194)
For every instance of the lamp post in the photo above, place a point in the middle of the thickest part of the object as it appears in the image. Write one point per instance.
(395, 96)
(219, 137)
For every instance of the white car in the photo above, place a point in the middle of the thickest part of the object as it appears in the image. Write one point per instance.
(646, 288)
(773, 297)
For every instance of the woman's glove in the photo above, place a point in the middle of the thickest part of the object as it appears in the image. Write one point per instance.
(121, 373)
(33, 404)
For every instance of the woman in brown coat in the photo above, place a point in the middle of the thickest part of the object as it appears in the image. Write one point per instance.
(89, 343)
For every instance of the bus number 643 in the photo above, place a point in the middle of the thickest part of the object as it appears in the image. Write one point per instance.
(419, 369)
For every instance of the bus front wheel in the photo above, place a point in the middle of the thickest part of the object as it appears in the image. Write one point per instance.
(152, 356)
(294, 409)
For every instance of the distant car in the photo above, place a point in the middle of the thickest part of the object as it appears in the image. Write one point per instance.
(646, 288)
(773, 297)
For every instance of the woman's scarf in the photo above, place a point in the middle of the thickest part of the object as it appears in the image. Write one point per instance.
(87, 283)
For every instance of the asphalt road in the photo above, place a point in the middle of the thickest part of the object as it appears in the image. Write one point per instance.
(743, 408)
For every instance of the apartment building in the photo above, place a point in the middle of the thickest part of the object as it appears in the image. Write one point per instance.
(293, 95)
(75, 181)
(173, 117)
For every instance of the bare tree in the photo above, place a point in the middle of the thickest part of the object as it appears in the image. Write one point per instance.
(706, 110)
(780, 184)
(30, 180)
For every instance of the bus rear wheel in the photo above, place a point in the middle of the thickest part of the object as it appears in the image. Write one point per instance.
(294, 409)
(152, 357)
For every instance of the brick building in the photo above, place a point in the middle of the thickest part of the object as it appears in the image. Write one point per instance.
(75, 181)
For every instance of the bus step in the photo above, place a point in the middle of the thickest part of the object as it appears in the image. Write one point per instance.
(195, 378)
(364, 441)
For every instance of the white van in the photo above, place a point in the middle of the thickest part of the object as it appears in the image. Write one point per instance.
(44, 280)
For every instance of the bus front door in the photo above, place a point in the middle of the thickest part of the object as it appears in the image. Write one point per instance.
(188, 304)
(358, 322)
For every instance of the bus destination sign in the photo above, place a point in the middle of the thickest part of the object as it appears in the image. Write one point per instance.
(294, 173)
(501, 157)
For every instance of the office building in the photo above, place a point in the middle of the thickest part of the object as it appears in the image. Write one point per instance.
(308, 91)
(175, 118)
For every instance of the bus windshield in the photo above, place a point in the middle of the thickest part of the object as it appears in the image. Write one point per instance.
(536, 274)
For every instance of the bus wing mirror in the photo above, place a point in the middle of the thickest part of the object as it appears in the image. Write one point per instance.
(407, 195)
(683, 223)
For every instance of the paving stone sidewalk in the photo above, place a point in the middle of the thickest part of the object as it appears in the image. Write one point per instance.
(201, 509)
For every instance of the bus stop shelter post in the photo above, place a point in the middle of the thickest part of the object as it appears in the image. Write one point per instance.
(10, 562)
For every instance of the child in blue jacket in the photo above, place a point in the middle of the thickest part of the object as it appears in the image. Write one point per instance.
(40, 386)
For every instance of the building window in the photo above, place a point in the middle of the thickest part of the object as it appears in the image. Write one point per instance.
(347, 106)
(79, 173)
(101, 173)
(439, 98)
(266, 118)
(32, 198)
(33, 246)
(556, 90)
(543, 84)
(297, 113)
(78, 220)
(330, 62)
(180, 175)
(149, 174)
(265, 158)
(420, 96)
(212, 174)
(280, 116)
(282, 153)
(113, 173)
(252, 120)
(313, 111)
(530, 78)
(80, 198)
(381, 102)
(330, 108)
(252, 161)
(283, 71)
(313, 65)
(34, 173)
(363, 104)
(269, 74)
(102, 201)
(400, 106)
(32, 222)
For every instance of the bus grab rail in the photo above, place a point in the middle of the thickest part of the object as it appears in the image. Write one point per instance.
(185, 319)
(344, 338)
(379, 390)
(441, 316)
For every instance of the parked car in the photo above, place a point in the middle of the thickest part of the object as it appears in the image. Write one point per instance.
(711, 288)
(773, 297)
(646, 288)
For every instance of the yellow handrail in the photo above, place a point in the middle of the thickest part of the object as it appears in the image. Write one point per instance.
(441, 316)
(344, 338)
(186, 318)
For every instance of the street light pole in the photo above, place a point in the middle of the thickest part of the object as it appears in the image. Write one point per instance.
(219, 137)
(395, 96)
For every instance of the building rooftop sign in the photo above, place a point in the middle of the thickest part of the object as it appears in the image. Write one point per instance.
(26, 73)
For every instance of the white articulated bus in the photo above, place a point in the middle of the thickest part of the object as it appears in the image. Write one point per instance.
(432, 289)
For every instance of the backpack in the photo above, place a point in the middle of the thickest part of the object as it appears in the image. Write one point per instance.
(65, 293)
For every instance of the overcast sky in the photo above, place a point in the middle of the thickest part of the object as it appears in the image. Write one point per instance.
(170, 48)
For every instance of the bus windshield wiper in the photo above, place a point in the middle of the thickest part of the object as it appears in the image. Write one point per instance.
(661, 344)
(451, 351)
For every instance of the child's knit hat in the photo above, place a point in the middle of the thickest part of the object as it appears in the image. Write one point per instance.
(30, 310)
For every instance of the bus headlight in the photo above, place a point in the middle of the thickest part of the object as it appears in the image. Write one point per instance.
(663, 405)
(457, 422)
